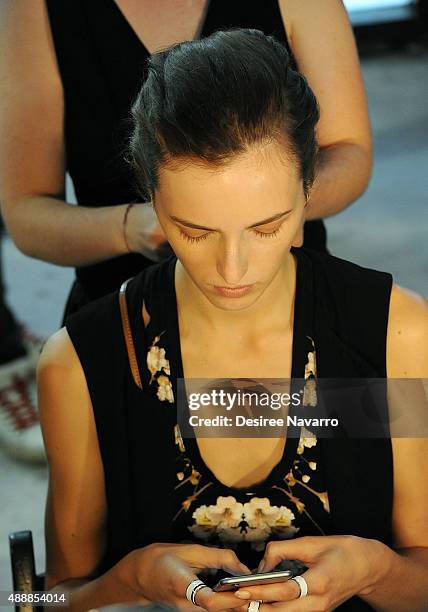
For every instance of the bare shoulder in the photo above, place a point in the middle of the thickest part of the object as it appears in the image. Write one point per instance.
(61, 385)
(59, 359)
(58, 348)
(407, 339)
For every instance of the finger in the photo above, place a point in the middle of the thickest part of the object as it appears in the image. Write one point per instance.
(304, 604)
(157, 235)
(305, 549)
(228, 561)
(180, 578)
(318, 583)
(279, 591)
(185, 606)
(199, 556)
(178, 575)
(208, 599)
(221, 558)
(242, 608)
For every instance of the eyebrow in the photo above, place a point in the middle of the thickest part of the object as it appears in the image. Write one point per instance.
(210, 229)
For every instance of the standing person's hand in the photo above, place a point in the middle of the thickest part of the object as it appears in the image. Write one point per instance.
(144, 233)
(162, 573)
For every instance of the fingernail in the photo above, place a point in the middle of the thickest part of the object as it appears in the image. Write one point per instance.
(243, 594)
(261, 566)
(244, 569)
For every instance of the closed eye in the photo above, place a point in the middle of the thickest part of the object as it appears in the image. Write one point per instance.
(194, 238)
(205, 236)
(258, 233)
(268, 234)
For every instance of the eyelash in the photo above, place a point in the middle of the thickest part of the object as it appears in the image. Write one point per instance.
(205, 236)
(268, 234)
(193, 239)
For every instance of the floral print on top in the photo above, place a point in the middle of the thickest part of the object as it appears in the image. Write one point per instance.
(295, 502)
(159, 369)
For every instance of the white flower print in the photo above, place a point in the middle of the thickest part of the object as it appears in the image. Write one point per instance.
(307, 439)
(232, 521)
(157, 362)
(164, 391)
(310, 389)
(310, 367)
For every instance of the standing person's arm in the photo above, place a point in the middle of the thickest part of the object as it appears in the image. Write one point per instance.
(32, 156)
(322, 41)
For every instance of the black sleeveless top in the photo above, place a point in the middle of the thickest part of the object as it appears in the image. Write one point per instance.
(102, 66)
(155, 480)
(291, 500)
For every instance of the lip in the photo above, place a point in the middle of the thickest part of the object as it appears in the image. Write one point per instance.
(235, 291)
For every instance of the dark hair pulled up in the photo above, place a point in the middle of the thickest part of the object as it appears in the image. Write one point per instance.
(210, 99)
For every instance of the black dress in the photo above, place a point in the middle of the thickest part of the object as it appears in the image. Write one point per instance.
(158, 488)
(102, 66)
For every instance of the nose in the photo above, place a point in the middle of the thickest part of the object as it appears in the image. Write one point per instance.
(232, 261)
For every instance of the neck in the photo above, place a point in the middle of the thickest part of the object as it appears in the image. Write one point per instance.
(275, 307)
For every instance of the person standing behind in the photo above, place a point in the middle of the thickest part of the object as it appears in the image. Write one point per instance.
(70, 71)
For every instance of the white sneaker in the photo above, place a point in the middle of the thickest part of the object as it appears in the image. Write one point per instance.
(20, 433)
(32, 343)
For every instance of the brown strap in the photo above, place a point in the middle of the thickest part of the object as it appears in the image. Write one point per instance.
(128, 335)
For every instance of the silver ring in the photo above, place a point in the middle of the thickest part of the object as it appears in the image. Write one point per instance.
(254, 606)
(193, 588)
(303, 585)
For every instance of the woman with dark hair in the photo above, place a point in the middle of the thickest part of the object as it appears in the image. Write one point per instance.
(224, 145)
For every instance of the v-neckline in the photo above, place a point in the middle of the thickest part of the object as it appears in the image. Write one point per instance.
(140, 42)
(302, 328)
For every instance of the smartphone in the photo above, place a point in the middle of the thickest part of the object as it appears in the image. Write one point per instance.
(236, 582)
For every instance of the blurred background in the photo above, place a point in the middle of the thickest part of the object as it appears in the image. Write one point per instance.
(386, 229)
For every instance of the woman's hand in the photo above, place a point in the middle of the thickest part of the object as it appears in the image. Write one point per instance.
(144, 233)
(339, 567)
(162, 573)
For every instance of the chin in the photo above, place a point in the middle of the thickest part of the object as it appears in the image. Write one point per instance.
(234, 307)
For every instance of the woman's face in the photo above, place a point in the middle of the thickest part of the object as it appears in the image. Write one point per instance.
(232, 226)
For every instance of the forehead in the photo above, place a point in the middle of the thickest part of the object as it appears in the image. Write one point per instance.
(261, 178)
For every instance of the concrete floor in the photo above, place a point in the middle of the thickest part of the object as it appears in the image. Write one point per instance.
(386, 229)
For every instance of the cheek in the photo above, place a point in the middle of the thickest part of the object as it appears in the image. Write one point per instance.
(197, 261)
(273, 248)
(294, 224)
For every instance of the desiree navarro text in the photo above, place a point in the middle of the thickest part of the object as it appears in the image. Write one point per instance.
(242, 421)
